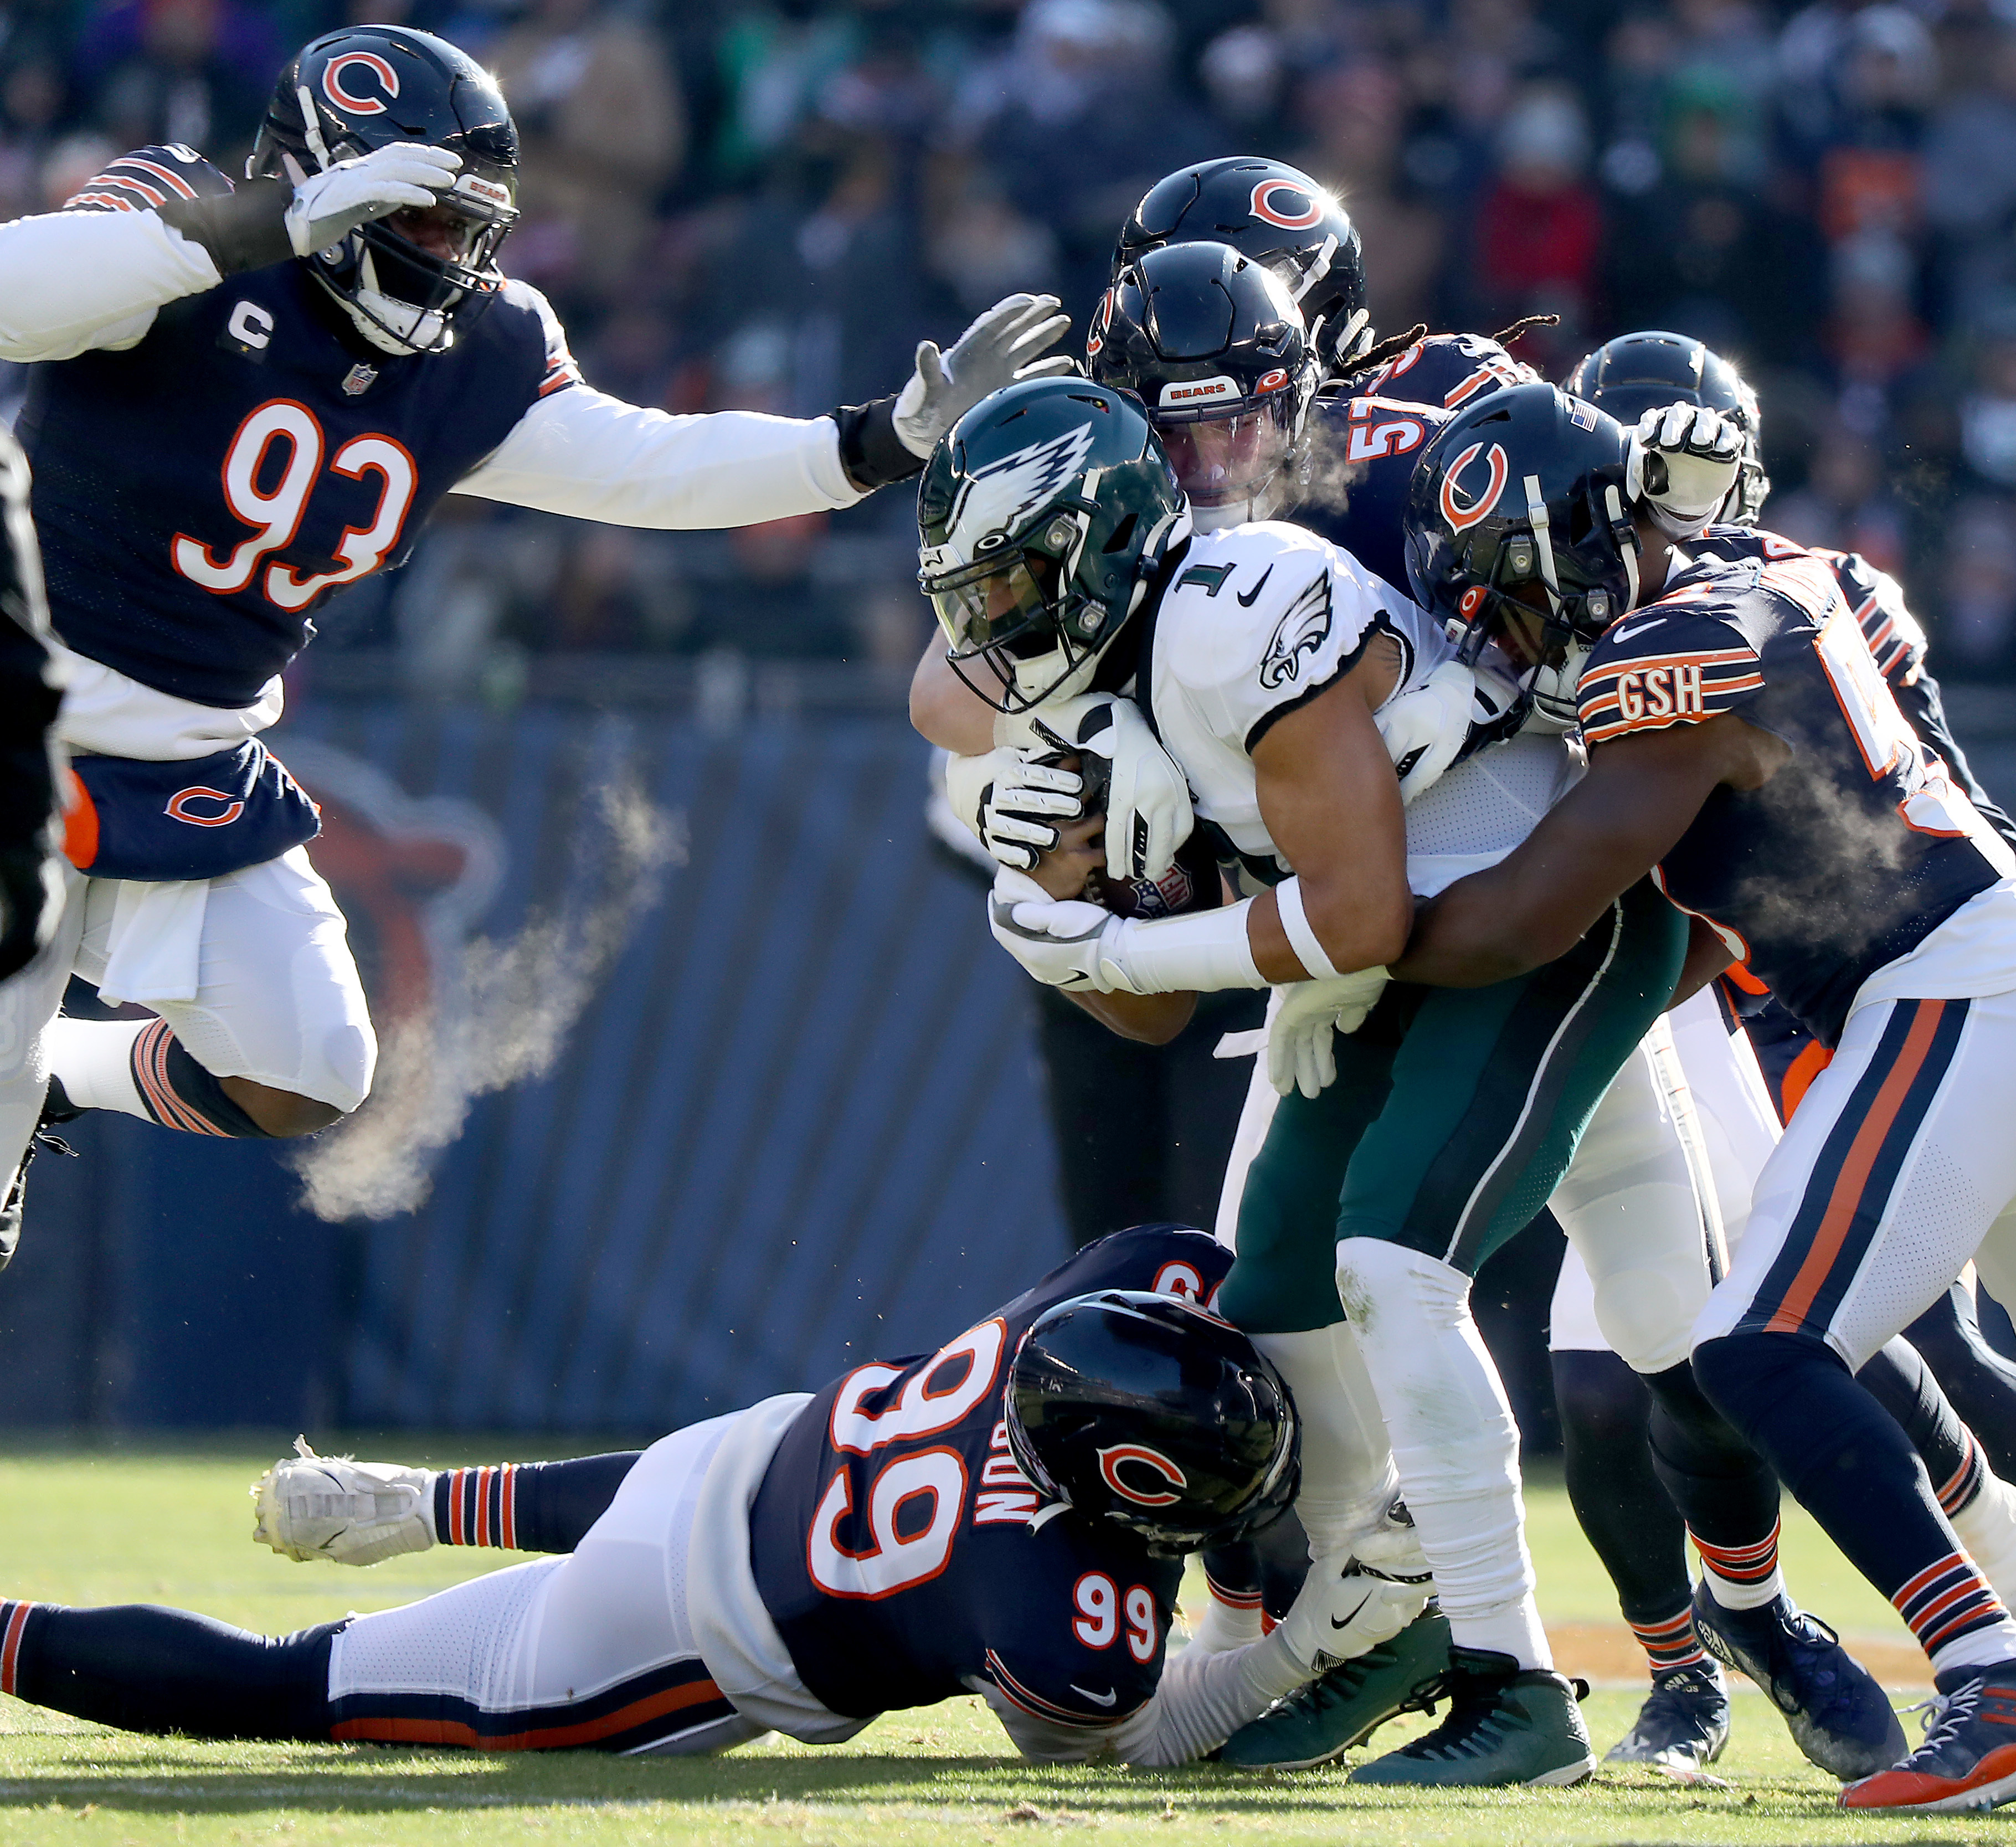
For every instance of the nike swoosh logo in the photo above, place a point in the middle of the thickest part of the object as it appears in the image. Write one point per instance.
(1249, 597)
(1353, 1617)
(1098, 1699)
(1626, 634)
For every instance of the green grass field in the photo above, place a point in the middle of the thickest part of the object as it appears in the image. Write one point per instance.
(114, 1528)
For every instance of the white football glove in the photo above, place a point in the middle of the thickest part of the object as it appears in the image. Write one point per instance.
(1424, 729)
(1147, 798)
(996, 350)
(1057, 940)
(336, 1508)
(328, 206)
(1302, 1042)
(1013, 803)
(1340, 1611)
(1684, 460)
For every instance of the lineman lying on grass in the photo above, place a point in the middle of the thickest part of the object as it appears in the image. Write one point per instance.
(1007, 1516)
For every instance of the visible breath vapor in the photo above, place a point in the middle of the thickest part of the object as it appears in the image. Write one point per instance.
(500, 1018)
(1326, 475)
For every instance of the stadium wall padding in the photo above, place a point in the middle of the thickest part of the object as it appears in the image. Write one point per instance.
(798, 1123)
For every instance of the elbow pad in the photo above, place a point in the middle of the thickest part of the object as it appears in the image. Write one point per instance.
(242, 230)
(870, 450)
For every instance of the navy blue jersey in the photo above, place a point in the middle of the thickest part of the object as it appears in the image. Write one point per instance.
(1895, 636)
(902, 1552)
(200, 494)
(1362, 452)
(1859, 846)
(1444, 370)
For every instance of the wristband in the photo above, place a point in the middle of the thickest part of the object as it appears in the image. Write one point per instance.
(1201, 952)
(870, 450)
(1301, 938)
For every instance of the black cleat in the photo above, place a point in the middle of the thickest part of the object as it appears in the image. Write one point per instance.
(1683, 1727)
(10, 1211)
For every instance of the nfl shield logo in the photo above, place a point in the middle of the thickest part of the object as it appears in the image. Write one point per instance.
(359, 380)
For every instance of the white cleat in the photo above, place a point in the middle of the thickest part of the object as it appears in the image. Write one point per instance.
(346, 1512)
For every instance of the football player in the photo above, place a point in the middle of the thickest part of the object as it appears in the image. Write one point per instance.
(245, 397)
(31, 890)
(1210, 343)
(1629, 1520)
(1745, 751)
(1056, 550)
(1007, 1516)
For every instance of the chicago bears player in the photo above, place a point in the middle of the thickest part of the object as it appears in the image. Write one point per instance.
(1745, 750)
(1055, 549)
(1628, 1517)
(244, 398)
(1006, 1516)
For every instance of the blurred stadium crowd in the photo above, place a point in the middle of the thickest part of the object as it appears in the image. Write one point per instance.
(766, 205)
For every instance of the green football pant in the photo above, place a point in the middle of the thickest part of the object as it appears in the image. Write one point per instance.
(1455, 1113)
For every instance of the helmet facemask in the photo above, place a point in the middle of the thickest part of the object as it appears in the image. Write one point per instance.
(1231, 459)
(1567, 603)
(1021, 630)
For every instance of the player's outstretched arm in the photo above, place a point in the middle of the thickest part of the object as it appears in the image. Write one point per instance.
(1606, 834)
(583, 453)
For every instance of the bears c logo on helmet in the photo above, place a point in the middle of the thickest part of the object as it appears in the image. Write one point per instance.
(1296, 210)
(1462, 518)
(1102, 318)
(1153, 1461)
(342, 76)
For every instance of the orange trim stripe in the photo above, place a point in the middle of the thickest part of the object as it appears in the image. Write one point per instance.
(1853, 1179)
(10, 1648)
(1799, 1076)
(175, 182)
(555, 1738)
(1638, 663)
(455, 1508)
(507, 1520)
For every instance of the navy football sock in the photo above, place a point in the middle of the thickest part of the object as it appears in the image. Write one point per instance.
(1628, 1517)
(1722, 1487)
(528, 1506)
(1898, 1378)
(1848, 1464)
(1979, 1382)
(143, 1668)
(179, 1093)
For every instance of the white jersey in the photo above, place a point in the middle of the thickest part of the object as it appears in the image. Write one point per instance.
(1261, 619)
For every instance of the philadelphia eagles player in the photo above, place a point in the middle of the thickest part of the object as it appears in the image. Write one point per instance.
(1267, 659)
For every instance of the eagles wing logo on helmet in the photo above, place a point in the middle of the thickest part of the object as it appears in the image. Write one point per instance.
(1153, 1460)
(998, 497)
(1302, 630)
(342, 78)
(1462, 518)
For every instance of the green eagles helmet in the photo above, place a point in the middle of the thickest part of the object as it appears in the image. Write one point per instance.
(1042, 516)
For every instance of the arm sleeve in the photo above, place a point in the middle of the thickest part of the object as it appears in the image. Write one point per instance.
(73, 281)
(1202, 1700)
(582, 452)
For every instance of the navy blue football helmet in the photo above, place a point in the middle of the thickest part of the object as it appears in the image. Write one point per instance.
(1150, 1412)
(1636, 373)
(1277, 215)
(362, 87)
(1519, 531)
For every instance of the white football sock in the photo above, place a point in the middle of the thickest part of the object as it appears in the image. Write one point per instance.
(1348, 1473)
(1226, 1626)
(1453, 1439)
(1987, 1528)
(93, 1061)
